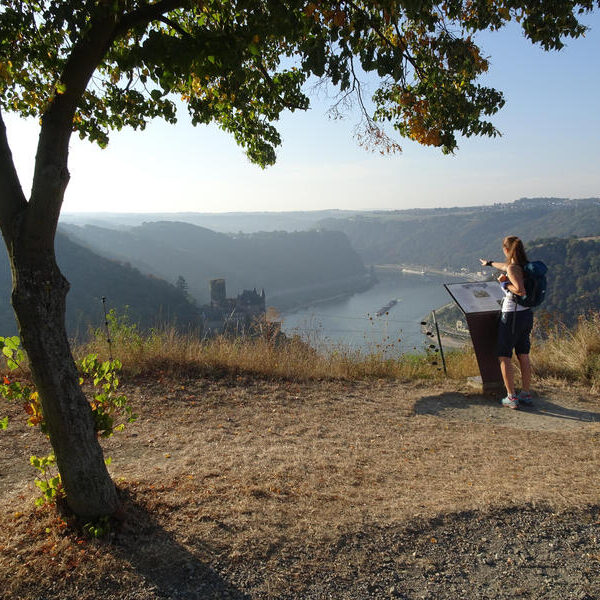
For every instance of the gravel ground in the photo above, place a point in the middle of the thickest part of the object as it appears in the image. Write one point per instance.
(526, 553)
(519, 553)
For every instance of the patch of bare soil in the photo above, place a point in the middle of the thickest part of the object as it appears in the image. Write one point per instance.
(242, 488)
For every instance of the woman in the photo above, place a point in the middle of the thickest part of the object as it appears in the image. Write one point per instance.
(515, 325)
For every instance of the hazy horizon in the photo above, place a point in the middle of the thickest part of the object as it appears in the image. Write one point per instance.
(315, 210)
(549, 147)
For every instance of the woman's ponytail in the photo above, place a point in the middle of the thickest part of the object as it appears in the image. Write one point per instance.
(515, 250)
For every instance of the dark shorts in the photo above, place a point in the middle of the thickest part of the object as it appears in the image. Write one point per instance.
(519, 340)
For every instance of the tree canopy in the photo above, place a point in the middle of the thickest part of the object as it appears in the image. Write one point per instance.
(115, 63)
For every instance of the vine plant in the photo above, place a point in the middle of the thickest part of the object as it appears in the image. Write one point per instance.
(111, 410)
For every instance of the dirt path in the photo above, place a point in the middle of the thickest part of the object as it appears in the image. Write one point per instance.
(552, 409)
(194, 417)
(254, 489)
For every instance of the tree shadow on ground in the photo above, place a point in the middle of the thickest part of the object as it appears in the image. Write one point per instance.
(164, 567)
(541, 407)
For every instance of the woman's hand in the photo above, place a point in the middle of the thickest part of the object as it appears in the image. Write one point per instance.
(502, 278)
(483, 262)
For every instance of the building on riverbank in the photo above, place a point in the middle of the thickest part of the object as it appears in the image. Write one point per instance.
(424, 270)
(231, 315)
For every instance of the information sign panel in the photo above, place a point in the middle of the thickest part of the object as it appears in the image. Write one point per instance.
(476, 296)
(481, 302)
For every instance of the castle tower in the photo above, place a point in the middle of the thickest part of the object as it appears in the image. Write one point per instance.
(217, 292)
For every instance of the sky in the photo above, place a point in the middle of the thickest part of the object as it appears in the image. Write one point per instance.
(550, 146)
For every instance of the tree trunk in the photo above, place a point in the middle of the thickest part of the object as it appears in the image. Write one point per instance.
(39, 288)
(39, 297)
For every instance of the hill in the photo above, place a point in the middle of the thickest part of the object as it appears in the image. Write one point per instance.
(457, 237)
(292, 268)
(231, 222)
(267, 471)
(150, 300)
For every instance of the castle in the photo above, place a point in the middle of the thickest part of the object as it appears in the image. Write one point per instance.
(234, 315)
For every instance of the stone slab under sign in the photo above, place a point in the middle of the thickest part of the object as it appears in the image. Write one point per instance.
(489, 387)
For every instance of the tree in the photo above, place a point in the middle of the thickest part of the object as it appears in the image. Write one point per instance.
(97, 65)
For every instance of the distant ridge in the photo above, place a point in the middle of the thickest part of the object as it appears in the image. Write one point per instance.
(292, 268)
(231, 222)
(297, 220)
(457, 237)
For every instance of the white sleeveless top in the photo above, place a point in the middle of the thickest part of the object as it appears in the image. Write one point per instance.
(508, 303)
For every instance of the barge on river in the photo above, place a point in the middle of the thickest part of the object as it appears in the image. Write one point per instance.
(384, 309)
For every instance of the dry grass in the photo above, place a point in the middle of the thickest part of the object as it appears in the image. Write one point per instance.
(167, 351)
(248, 470)
(571, 354)
(563, 354)
(253, 452)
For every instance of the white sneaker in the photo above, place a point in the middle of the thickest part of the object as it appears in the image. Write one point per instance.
(510, 402)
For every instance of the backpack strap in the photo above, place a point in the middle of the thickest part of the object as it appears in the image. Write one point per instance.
(515, 296)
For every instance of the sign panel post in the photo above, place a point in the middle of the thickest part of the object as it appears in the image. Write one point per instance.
(480, 302)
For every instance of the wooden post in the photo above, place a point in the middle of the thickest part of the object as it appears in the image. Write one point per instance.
(437, 330)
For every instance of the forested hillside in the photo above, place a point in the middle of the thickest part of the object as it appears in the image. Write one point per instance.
(150, 301)
(291, 267)
(573, 276)
(457, 237)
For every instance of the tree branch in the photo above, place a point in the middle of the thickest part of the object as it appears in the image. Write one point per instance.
(12, 199)
(174, 26)
(51, 175)
(146, 14)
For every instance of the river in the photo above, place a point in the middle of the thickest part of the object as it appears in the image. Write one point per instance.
(353, 321)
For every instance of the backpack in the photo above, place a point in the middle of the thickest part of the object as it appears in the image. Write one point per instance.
(535, 284)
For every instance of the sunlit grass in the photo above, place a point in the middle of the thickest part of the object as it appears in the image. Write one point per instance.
(267, 354)
(562, 354)
(571, 354)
